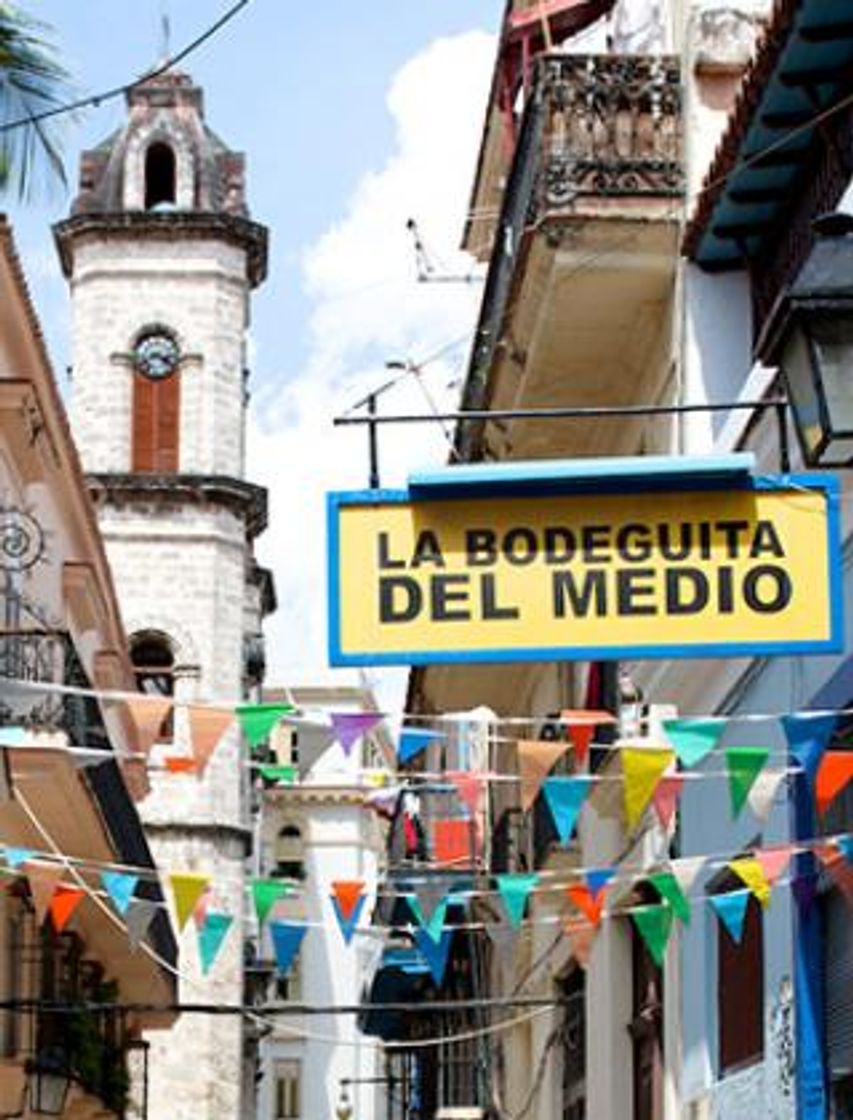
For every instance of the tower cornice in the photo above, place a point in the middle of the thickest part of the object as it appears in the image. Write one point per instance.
(185, 224)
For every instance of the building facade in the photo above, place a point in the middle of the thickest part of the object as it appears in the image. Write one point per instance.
(161, 259)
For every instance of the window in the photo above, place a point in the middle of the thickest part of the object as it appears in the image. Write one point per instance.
(288, 1076)
(740, 992)
(159, 176)
(154, 669)
(288, 853)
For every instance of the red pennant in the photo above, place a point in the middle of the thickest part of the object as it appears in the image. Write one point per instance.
(833, 774)
(837, 866)
(451, 842)
(180, 764)
(347, 892)
(63, 904)
(581, 896)
(469, 787)
(582, 723)
(666, 795)
(773, 862)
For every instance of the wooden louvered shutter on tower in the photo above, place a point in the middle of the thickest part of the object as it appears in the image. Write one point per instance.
(156, 423)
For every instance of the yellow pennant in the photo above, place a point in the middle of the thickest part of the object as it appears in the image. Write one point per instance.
(187, 887)
(750, 871)
(643, 768)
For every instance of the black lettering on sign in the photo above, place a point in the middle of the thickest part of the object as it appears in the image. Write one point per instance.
(632, 585)
(725, 590)
(427, 550)
(400, 599)
(560, 545)
(480, 548)
(686, 591)
(732, 530)
(668, 548)
(766, 539)
(633, 543)
(385, 559)
(519, 546)
(767, 589)
(580, 600)
(488, 594)
(443, 595)
(596, 544)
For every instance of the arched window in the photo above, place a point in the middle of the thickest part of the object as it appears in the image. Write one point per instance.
(289, 853)
(154, 668)
(159, 176)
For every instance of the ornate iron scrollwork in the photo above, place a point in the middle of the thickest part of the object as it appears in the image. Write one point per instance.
(21, 541)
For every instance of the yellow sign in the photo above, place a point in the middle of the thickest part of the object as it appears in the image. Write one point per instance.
(688, 573)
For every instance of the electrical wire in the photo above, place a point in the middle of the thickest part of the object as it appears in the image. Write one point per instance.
(98, 99)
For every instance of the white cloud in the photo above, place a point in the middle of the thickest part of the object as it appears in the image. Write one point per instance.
(367, 308)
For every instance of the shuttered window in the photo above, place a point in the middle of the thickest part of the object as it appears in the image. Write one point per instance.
(156, 421)
(740, 992)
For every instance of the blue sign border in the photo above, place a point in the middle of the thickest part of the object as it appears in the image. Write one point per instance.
(337, 500)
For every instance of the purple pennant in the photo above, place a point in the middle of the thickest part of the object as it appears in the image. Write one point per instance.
(597, 880)
(808, 736)
(348, 727)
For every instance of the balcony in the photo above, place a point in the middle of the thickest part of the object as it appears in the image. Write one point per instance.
(577, 307)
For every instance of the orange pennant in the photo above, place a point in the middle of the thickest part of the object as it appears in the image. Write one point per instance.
(833, 774)
(148, 715)
(581, 934)
(207, 726)
(582, 724)
(535, 759)
(451, 842)
(347, 892)
(63, 904)
(43, 879)
(180, 764)
(581, 896)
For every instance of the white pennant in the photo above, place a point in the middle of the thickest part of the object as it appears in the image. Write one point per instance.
(763, 791)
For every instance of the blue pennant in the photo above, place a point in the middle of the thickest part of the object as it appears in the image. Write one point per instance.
(845, 843)
(120, 887)
(598, 878)
(435, 952)
(565, 796)
(808, 737)
(286, 939)
(16, 856)
(413, 740)
(349, 924)
(731, 910)
(210, 938)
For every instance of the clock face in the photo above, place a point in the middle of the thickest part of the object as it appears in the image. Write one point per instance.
(156, 355)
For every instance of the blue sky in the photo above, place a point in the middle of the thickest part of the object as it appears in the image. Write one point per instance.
(353, 116)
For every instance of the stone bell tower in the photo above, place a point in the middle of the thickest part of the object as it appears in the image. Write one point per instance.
(162, 258)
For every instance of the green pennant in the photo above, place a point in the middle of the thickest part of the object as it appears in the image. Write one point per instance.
(744, 764)
(258, 720)
(654, 924)
(669, 888)
(279, 773)
(266, 893)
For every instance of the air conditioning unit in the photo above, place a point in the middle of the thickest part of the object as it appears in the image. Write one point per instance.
(460, 1114)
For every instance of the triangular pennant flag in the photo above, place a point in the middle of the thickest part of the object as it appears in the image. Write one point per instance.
(120, 886)
(257, 720)
(347, 892)
(837, 866)
(207, 726)
(348, 922)
(148, 714)
(834, 771)
(535, 759)
(762, 792)
(413, 740)
(744, 764)
(581, 724)
(514, 890)
(65, 901)
(665, 798)
(642, 768)
(435, 953)
(43, 879)
(564, 797)
(452, 842)
(808, 736)
(469, 786)
(845, 844)
(693, 739)
(669, 888)
(581, 934)
(687, 869)
(265, 894)
(597, 879)
(429, 892)
(750, 872)
(432, 923)
(731, 910)
(773, 862)
(348, 727)
(139, 916)
(286, 939)
(187, 887)
(285, 774)
(180, 764)
(654, 924)
(16, 856)
(211, 935)
(589, 904)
